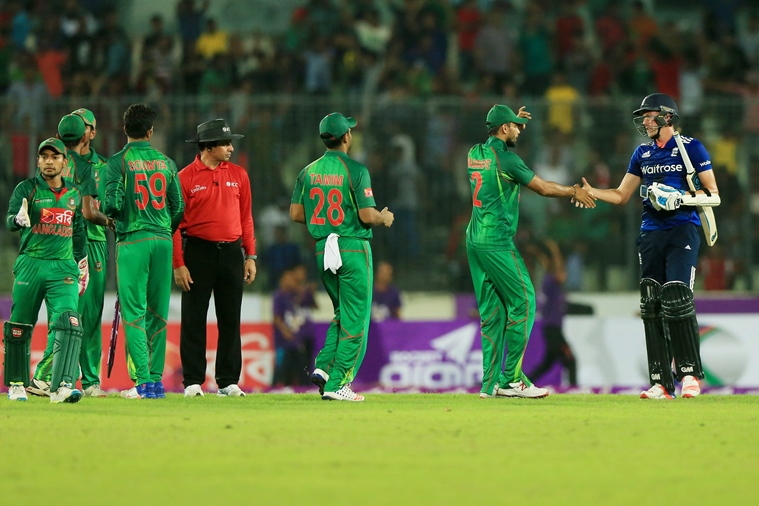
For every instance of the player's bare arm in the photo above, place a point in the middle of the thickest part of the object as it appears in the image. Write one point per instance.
(617, 196)
(371, 216)
(92, 214)
(298, 213)
(553, 189)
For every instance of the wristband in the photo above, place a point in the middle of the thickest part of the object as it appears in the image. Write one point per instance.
(252, 257)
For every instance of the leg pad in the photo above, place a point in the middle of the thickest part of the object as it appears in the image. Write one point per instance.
(17, 342)
(68, 343)
(657, 340)
(680, 319)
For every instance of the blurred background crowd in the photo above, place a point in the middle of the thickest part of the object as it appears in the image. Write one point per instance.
(419, 75)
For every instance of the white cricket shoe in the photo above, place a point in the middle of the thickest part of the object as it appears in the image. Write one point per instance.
(132, 393)
(656, 392)
(344, 394)
(520, 389)
(193, 391)
(691, 387)
(65, 393)
(95, 391)
(17, 392)
(228, 391)
(39, 388)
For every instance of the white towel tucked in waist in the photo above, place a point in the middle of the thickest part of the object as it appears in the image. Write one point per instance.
(332, 259)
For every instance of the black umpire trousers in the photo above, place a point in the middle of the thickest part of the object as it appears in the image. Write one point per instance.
(214, 267)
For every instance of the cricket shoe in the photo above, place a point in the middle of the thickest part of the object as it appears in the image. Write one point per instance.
(520, 389)
(17, 392)
(39, 388)
(344, 394)
(230, 391)
(66, 393)
(160, 391)
(130, 394)
(193, 391)
(319, 378)
(656, 392)
(146, 390)
(691, 387)
(95, 391)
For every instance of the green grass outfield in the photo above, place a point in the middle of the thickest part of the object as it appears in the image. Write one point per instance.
(392, 449)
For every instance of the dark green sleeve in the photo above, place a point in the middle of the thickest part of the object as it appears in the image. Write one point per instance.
(514, 168)
(79, 234)
(114, 188)
(174, 194)
(87, 184)
(362, 190)
(297, 197)
(22, 191)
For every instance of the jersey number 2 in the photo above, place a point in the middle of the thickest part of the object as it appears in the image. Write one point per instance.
(477, 179)
(335, 213)
(151, 191)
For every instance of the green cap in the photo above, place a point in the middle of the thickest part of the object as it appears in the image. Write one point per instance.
(500, 114)
(87, 116)
(54, 144)
(71, 127)
(335, 125)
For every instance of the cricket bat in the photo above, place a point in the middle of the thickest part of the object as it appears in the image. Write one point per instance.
(705, 214)
(114, 335)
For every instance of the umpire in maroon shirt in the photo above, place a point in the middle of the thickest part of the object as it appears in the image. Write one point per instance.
(214, 252)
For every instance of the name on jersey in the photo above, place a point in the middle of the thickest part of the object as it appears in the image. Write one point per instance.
(660, 169)
(326, 179)
(54, 222)
(140, 165)
(478, 164)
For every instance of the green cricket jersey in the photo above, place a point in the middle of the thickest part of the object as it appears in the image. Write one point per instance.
(99, 166)
(142, 191)
(495, 175)
(79, 171)
(332, 189)
(57, 231)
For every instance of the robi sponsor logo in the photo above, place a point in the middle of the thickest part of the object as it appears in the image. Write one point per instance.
(450, 363)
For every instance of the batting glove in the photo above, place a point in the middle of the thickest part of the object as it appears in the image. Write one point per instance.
(664, 197)
(22, 218)
(84, 275)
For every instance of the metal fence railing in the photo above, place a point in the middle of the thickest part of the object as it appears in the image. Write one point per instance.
(416, 149)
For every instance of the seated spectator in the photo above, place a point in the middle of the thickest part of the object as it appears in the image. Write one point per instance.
(293, 328)
(213, 41)
(386, 298)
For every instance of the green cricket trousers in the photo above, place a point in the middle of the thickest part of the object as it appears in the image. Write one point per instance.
(351, 293)
(506, 300)
(91, 311)
(144, 276)
(55, 282)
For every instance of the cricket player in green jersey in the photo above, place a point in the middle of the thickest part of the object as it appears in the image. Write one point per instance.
(46, 209)
(505, 294)
(142, 194)
(333, 197)
(91, 303)
(72, 130)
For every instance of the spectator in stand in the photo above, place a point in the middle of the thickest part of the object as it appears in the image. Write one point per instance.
(567, 25)
(372, 34)
(318, 66)
(468, 22)
(562, 100)
(535, 50)
(494, 47)
(294, 333)
(114, 48)
(642, 26)
(26, 99)
(51, 60)
(750, 40)
(213, 41)
(610, 29)
(190, 21)
(386, 300)
(21, 23)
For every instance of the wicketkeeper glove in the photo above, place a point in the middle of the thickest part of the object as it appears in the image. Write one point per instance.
(84, 275)
(22, 218)
(664, 197)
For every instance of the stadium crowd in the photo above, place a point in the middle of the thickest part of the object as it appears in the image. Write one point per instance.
(421, 73)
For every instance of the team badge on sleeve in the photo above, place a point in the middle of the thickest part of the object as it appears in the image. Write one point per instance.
(368, 192)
